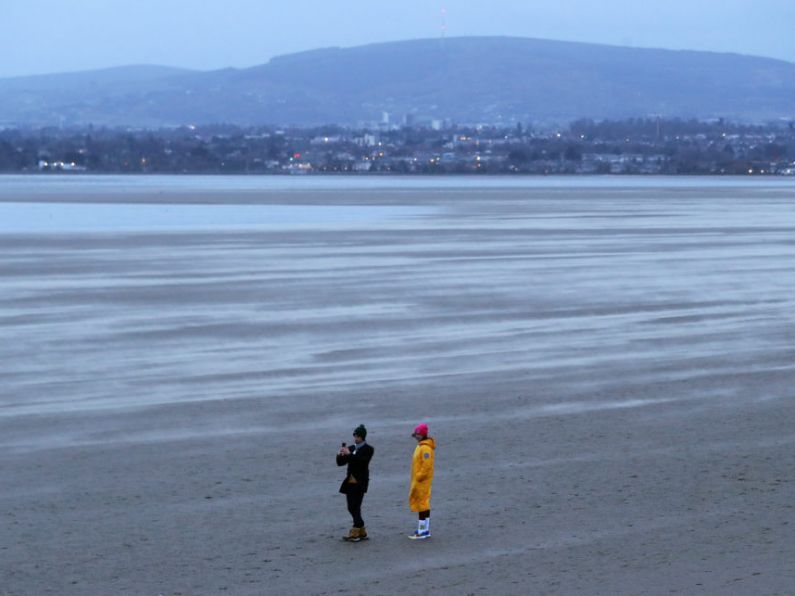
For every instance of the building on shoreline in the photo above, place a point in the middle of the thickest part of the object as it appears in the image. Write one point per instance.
(639, 147)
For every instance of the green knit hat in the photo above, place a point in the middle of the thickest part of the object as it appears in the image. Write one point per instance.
(360, 431)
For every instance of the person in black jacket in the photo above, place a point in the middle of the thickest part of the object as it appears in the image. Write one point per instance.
(358, 457)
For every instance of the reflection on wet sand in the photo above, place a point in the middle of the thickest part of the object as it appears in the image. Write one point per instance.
(608, 372)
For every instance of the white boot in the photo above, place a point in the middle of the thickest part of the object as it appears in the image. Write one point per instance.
(423, 530)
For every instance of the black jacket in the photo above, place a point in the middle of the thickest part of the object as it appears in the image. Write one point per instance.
(358, 469)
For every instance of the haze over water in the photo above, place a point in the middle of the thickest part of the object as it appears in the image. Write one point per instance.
(576, 283)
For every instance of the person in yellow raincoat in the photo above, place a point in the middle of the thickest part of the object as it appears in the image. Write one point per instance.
(421, 480)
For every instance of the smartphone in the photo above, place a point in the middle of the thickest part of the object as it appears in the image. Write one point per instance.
(343, 444)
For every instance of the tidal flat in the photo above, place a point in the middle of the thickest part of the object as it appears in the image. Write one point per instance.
(606, 366)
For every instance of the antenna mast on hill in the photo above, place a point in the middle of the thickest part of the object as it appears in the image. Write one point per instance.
(443, 28)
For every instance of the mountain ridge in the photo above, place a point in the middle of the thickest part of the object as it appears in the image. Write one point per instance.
(465, 79)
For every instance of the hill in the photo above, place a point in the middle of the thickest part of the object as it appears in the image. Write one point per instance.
(467, 80)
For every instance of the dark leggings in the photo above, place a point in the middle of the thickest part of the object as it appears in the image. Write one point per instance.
(355, 508)
(425, 514)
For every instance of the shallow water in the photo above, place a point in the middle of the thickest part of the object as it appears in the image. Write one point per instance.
(69, 218)
(14, 185)
(646, 284)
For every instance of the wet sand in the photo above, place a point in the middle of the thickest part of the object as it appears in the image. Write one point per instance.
(608, 374)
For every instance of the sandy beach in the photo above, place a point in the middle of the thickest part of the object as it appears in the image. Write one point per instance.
(608, 373)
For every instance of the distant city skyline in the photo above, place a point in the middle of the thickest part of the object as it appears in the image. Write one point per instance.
(50, 36)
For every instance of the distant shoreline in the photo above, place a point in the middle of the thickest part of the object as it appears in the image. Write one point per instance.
(473, 175)
(636, 147)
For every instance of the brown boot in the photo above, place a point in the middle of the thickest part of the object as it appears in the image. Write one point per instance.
(353, 535)
(360, 535)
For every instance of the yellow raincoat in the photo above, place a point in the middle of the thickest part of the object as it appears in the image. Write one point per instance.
(422, 475)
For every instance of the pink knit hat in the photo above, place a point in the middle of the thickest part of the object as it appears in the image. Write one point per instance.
(421, 429)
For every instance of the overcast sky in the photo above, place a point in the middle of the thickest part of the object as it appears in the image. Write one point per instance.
(44, 36)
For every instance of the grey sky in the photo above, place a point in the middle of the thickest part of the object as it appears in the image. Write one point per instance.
(43, 36)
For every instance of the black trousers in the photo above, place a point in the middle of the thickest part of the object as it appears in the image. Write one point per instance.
(355, 507)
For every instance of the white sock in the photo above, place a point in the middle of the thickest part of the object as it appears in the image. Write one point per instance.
(420, 526)
(428, 525)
